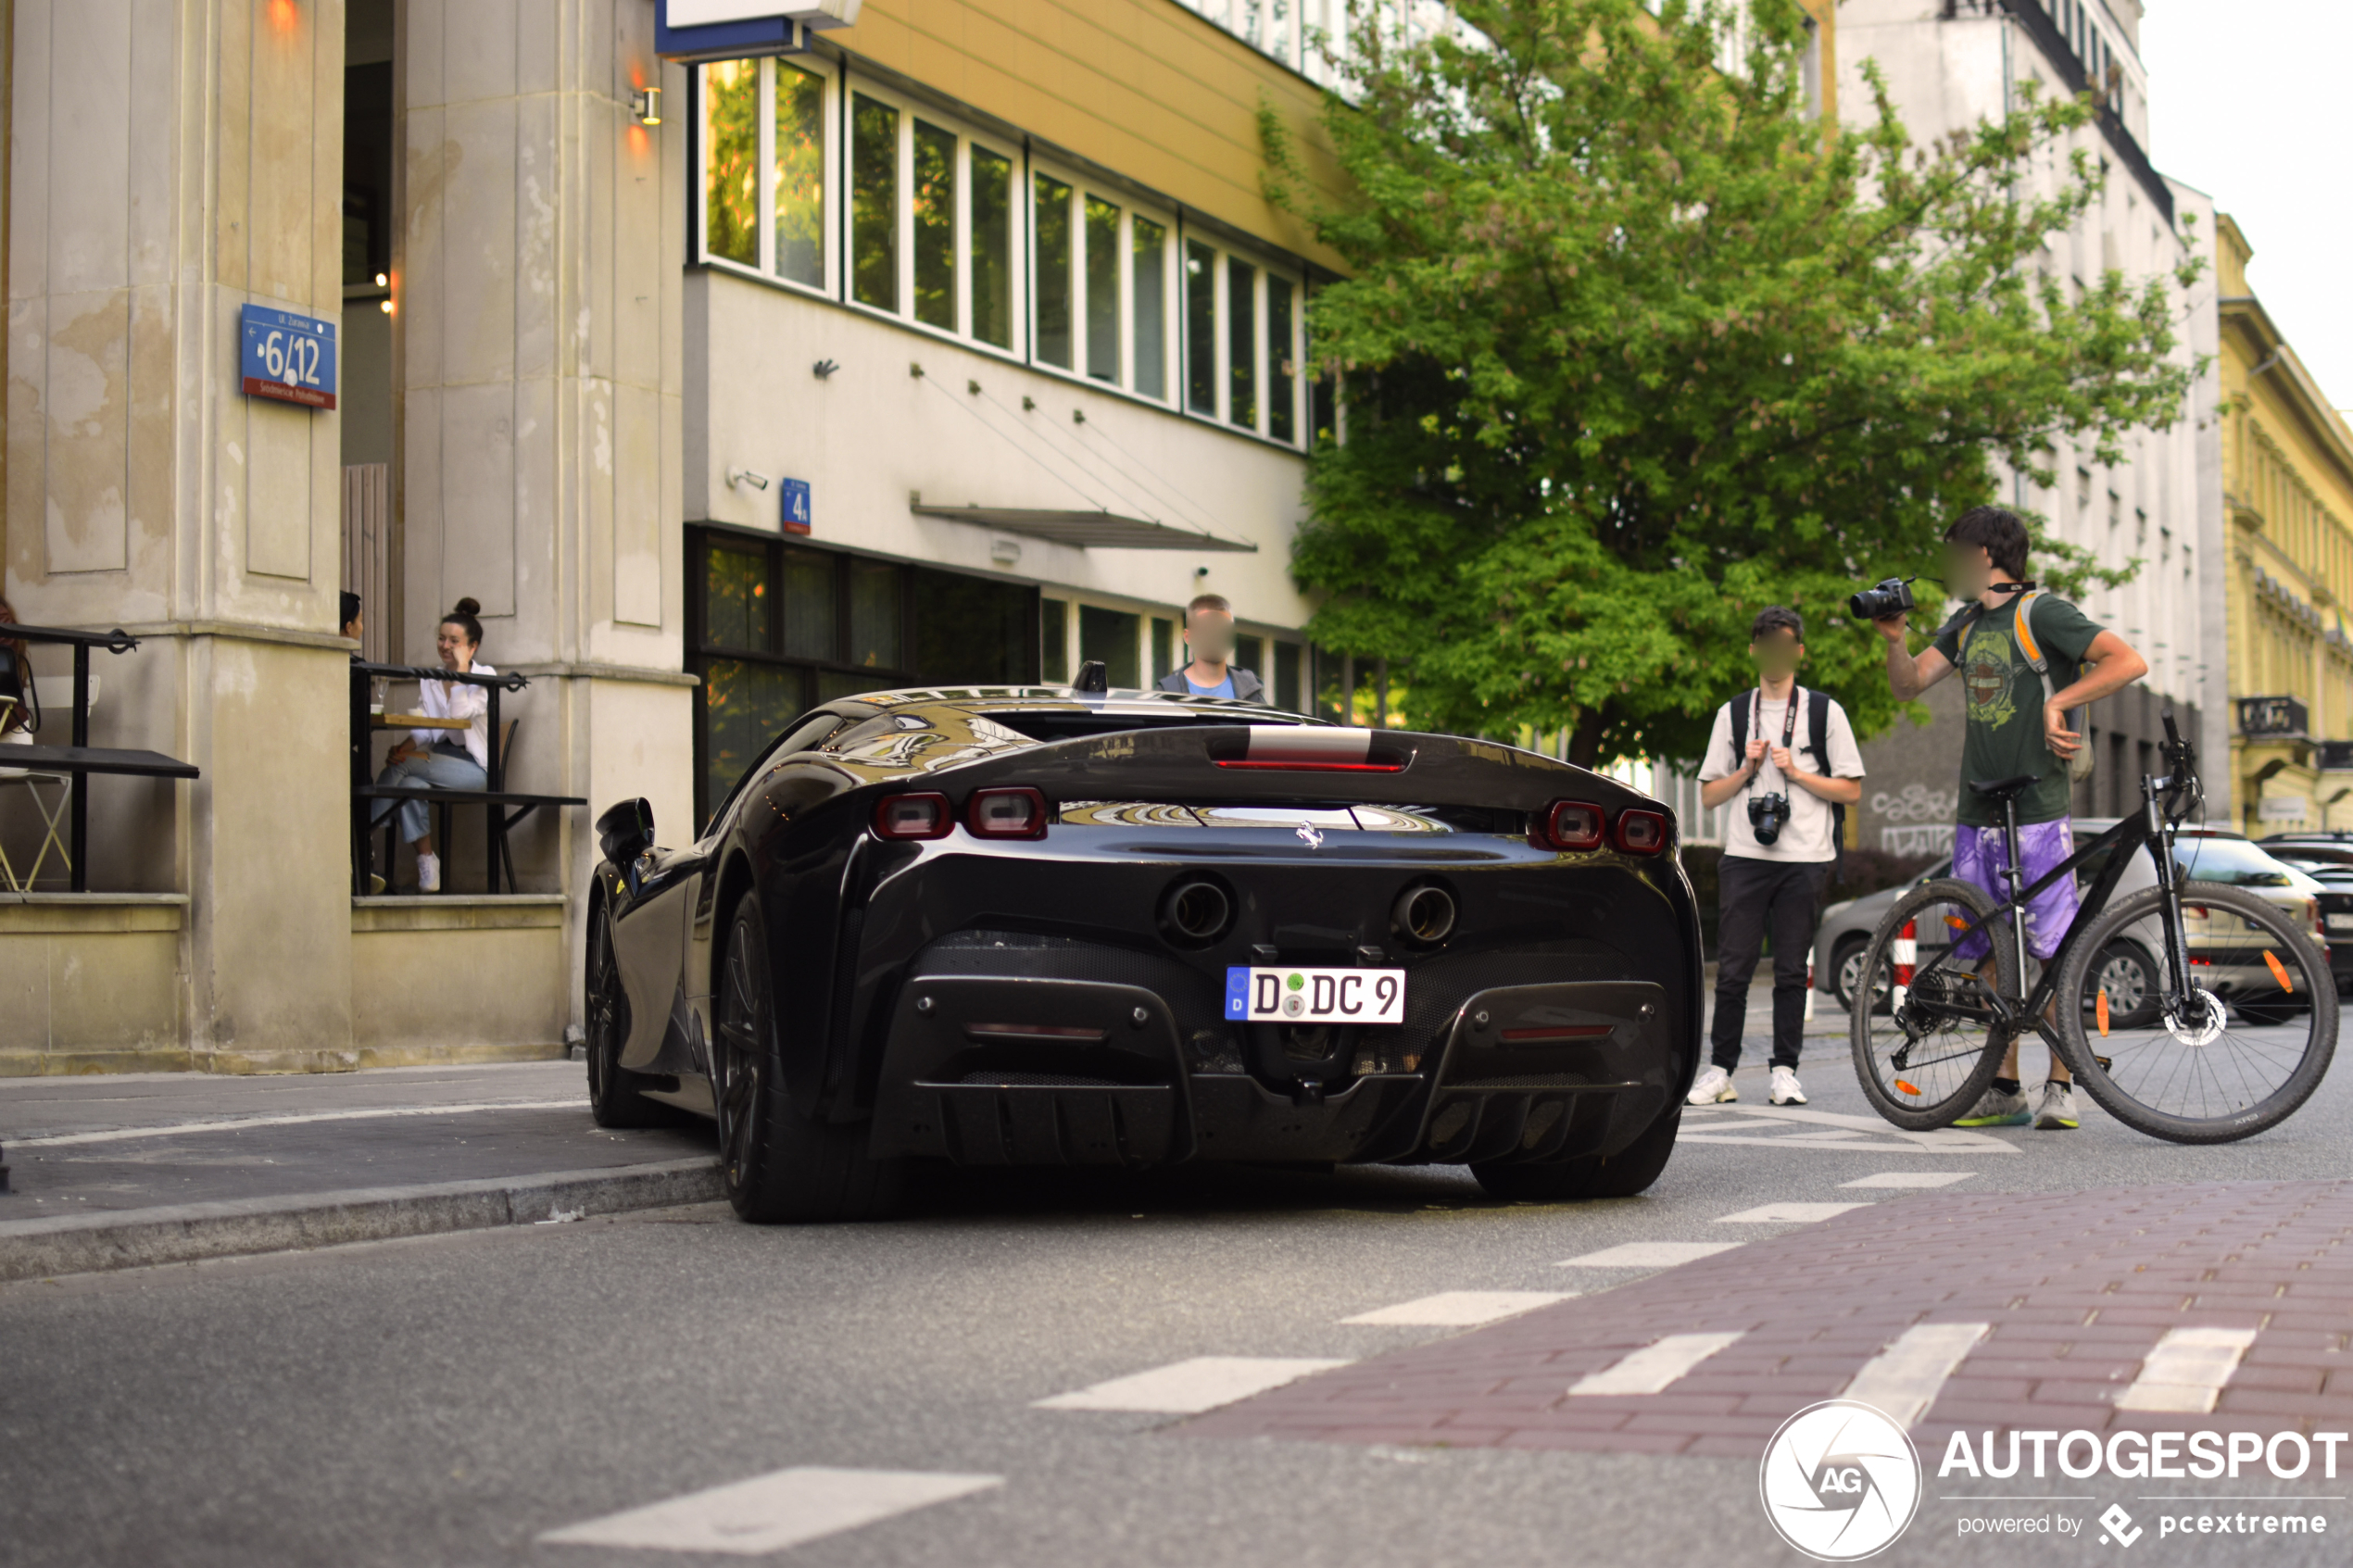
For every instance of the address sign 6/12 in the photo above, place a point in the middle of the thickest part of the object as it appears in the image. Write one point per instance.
(288, 357)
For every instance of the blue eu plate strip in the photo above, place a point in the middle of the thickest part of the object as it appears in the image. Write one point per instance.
(1237, 991)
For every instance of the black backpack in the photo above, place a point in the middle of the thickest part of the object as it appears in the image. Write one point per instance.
(1817, 741)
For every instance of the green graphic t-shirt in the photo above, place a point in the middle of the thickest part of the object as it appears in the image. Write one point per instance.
(2003, 698)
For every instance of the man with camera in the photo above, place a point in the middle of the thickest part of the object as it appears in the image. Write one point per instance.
(2027, 660)
(1789, 755)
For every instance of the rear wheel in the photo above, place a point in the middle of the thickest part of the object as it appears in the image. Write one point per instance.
(1630, 1171)
(2211, 1069)
(778, 1165)
(1924, 1063)
(615, 1094)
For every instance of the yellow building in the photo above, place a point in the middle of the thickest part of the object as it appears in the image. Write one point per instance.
(2287, 480)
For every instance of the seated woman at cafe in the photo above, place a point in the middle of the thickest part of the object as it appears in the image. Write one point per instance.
(442, 758)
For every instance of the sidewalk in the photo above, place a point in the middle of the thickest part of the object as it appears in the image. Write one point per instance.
(118, 1172)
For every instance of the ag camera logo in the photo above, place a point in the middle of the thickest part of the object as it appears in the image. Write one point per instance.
(1840, 1481)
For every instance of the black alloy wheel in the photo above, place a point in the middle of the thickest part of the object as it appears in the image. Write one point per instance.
(779, 1164)
(616, 1097)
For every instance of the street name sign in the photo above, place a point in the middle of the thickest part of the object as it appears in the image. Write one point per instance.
(288, 357)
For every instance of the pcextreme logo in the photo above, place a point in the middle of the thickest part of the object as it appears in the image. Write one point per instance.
(1840, 1481)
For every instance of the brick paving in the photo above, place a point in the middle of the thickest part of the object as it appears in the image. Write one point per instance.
(2077, 1288)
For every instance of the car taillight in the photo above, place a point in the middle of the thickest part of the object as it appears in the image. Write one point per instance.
(1640, 831)
(1006, 813)
(913, 816)
(1569, 825)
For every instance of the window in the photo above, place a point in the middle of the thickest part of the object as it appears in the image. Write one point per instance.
(1282, 413)
(775, 629)
(1096, 316)
(1148, 295)
(934, 220)
(1242, 342)
(1052, 249)
(873, 202)
(1164, 639)
(765, 114)
(1201, 328)
(991, 248)
(1111, 635)
(1102, 289)
(1054, 641)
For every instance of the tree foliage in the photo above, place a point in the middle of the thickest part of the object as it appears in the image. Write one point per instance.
(1634, 344)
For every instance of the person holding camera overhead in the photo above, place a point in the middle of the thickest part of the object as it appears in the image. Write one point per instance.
(1788, 757)
(2027, 660)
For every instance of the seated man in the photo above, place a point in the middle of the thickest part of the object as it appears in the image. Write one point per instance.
(1209, 638)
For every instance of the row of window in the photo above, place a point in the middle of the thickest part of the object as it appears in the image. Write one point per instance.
(952, 230)
(1136, 650)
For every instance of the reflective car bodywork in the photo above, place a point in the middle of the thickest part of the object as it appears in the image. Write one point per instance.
(1049, 999)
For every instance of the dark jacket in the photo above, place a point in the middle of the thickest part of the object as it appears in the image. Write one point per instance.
(1247, 686)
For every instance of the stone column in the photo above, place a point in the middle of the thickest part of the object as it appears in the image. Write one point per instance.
(172, 161)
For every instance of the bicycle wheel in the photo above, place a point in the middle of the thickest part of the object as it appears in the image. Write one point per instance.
(2240, 1053)
(1924, 1062)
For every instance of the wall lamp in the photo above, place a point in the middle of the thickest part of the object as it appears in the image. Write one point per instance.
(646, 103)
(737, 478)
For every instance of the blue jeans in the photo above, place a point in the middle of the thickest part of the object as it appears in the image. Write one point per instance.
(438, 769)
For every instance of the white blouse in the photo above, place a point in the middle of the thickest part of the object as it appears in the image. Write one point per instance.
(455, 700)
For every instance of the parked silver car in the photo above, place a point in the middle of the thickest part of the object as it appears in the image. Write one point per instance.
(2128, 969)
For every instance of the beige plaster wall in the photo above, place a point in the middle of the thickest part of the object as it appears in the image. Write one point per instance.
(457, 980)
(90, 985)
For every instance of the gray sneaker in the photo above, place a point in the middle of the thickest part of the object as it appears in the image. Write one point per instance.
(1998, 1109)
(2056, 1113)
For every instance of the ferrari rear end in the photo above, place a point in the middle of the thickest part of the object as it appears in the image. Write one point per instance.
(1276, 943)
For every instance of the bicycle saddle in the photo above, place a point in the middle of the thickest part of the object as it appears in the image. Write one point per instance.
(2003, 789)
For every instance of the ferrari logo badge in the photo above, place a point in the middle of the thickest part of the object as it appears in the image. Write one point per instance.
(1311, 836)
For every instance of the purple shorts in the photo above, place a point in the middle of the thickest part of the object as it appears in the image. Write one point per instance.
(1979, 857)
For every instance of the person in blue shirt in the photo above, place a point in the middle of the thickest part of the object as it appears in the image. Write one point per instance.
(1209, 639)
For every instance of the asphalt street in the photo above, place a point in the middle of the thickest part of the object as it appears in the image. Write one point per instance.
(455, 1400)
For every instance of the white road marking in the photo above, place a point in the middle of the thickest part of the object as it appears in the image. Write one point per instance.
(1647, 1255)
(1462, 1308)
(1192, 1387)
(1651, 1368)
(2186, 1370)
(1910, 1179)
(121, 1135)
(1902, 1380)
(1787, 1213)
(1746, 1124)
(769, 1512)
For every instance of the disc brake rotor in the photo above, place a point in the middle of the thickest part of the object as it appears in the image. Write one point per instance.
(2199, 1023)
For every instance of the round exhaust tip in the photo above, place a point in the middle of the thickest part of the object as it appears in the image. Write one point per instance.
(1424, 914)
(1198, 911)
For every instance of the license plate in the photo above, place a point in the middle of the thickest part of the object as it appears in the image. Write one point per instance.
(1315, 995)
(2341, 923)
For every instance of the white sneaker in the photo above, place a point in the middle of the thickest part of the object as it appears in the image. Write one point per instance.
(428, 874)
(1786, 1089)
(1712, 1086)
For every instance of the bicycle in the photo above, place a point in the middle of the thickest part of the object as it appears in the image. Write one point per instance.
(2240, 1030)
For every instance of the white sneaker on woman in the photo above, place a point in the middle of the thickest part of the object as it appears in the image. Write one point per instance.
(428, 874)
(1712, 1087)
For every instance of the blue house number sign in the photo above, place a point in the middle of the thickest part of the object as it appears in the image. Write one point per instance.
(797, 513)
(288, 357)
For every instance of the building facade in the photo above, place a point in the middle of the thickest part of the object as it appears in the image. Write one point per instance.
(959, 344)
(1950, 64)
(2288, 467)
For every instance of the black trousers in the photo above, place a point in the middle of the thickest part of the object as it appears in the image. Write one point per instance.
(1753, 898)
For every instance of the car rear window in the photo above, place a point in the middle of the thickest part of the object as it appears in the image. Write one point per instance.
(2231, 861)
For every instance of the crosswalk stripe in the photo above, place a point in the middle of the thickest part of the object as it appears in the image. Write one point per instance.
(769, 1512)
(2186, 1370)
(1651, 1368)
(1904, 1380)
(1647, 1255)
(1787, 1213)
(1910, 1179)
(1462, 1308)
(1188, 1388)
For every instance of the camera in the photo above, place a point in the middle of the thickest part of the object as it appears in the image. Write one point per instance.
(1881, 600)
(1766, 816)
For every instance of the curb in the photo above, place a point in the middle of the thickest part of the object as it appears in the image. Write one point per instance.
(139, 1237)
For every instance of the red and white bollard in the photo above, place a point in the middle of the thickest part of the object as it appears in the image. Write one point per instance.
(1809, 990)
(1903, 953)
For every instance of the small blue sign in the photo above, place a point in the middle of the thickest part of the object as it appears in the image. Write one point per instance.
(288, 357)
(1238, 992)
(797, 519)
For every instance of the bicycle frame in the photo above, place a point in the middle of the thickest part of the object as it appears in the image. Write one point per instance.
(2152, 829)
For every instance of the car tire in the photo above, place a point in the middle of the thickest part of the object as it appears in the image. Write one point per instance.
(1848, 956)
(2129, 968)
(616, 1095)
(779, 1164)
(1630, 1171)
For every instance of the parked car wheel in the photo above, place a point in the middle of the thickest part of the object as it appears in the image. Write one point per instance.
(1630, 1171)
(616, 1097)
(1846, 973)
(2129, 975)
(780, 1166)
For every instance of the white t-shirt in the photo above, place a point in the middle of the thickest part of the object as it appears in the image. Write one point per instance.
(1806, 834)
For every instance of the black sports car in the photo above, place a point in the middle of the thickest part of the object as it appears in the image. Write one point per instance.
(1046, 925)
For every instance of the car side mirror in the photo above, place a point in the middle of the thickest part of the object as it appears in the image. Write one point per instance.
(627, 831)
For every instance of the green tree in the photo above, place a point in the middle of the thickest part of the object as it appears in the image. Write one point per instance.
(1634, 344)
